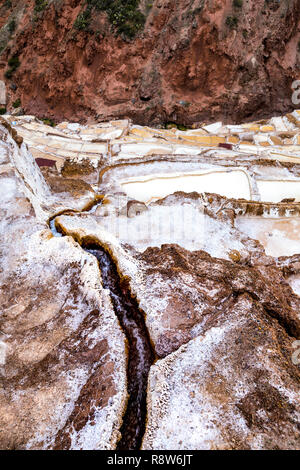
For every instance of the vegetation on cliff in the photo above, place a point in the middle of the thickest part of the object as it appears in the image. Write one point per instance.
(124, 15)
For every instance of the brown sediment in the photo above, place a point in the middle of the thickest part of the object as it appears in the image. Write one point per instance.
(73, 169)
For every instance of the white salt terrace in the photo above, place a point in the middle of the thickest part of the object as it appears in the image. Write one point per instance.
(275, 191)
(232, 184)
(294, 282)
(276, 139)
(203, 160)
(179, 221)
(279, 236)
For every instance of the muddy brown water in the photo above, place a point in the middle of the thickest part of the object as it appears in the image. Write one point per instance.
(141, 355)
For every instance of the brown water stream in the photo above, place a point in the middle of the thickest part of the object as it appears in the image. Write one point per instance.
(141, 354)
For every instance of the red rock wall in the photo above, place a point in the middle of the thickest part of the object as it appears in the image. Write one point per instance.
(187, 65)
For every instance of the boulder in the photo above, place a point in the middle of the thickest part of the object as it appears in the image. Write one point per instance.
(233, 387)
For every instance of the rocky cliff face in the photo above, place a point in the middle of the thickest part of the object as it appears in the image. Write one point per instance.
(170, 60)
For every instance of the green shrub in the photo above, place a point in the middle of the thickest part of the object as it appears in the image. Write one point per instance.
(8, 74)
(40, 5)
(124, 15)
(238, 3)
(232, 22)
(83, 20)
(12, 26)
(17, 103)
(173, 125)
(48, 122)
(2, 111)
(13, 63)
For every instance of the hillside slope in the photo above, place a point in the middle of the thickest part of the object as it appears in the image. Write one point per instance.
(170, 60)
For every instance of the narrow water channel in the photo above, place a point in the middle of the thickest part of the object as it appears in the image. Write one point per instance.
(141, 354)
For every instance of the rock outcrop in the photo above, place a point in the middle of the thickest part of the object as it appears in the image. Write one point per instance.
(233, 387)
(181, 61)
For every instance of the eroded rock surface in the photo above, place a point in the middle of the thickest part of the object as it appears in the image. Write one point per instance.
(234, 387)
(59, 334)
(185, 291)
